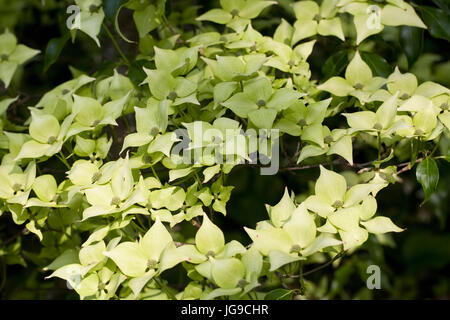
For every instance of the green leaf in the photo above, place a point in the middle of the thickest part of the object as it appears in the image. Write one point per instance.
(377, 64)
(70, 256)
(111, 7)
(279, 294)
(53, 50)
(427, 174)
(219, 292)
(411, 40)
(437, 21)
(335, 64)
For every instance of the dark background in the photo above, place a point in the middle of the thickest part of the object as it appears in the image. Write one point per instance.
(415, 265)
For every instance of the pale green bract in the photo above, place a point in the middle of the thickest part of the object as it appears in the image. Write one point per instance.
(120, 206)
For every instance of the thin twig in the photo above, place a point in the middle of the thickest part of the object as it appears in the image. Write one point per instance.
(336, 257)
(125, 59)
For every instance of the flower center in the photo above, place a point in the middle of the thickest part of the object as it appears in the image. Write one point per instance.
(154, 131)
(93, 8)
(295, 248)
(172, 95)
(152, 264)
(51, 139)
(337, 204)
(261, 103)
(377, 126)
(358, 86)
(96, 176)
(101, 286)
(328, 139)
(16, 187)
(418, 132)
(242, 283)
(115, 201)
(302, 123)
(405, 96)
(147, 159)
(210, 253)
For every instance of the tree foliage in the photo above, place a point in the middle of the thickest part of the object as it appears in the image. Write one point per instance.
(90, 168)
